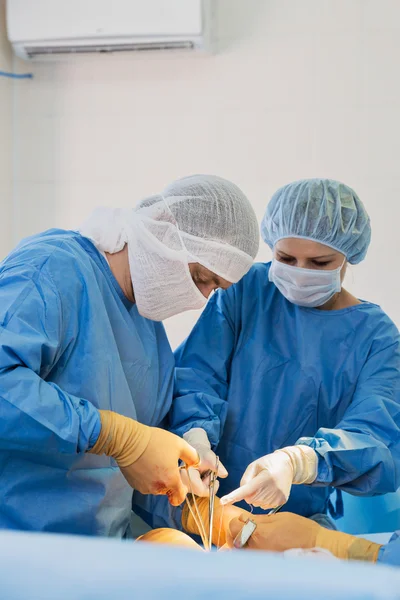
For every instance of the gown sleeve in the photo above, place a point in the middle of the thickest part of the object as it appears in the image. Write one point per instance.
(202, 370)
(389, 554)
(36, 415)
(361, 455)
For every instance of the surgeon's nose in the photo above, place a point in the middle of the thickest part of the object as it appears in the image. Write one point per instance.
(206, 288)
(302, 263)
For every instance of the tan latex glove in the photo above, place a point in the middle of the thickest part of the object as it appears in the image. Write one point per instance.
(284, 531)
(148, 457)
(222, 517)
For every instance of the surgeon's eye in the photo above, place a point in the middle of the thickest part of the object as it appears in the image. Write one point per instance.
(199, 280)
(322, 264)
(286, 259)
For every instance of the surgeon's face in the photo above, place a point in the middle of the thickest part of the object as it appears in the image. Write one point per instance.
(207, 281)
(307, 254)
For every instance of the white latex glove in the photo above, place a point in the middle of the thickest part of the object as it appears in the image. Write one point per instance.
(199, 479)
(267, 481)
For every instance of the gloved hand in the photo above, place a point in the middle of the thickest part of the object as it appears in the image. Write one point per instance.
(284, 531)
(222, 518)
(198, 439)
(148, 457)
(267, 481)
(276, 533)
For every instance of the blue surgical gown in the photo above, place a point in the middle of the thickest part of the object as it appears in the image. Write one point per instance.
(70, 344)
(389, 554)
(259, 373)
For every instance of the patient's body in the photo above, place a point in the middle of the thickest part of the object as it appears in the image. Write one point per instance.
(169, 537)
(274, 533)
(222, 517)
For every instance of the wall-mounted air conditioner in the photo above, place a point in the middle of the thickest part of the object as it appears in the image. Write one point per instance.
(40, 29)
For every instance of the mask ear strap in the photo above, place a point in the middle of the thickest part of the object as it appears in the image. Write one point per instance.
(339, 269)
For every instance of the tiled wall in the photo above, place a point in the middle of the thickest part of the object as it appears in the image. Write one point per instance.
(5, 140)
(299, 88)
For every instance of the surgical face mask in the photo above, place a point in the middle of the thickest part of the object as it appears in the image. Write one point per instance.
(159, 253)
(161, 279)
(305, 287)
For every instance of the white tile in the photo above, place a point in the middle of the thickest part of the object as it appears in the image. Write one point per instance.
(34, 208)
(284, 70)
(34, 148)
(340, 16)
(383, 142)
(6, 140)
(37, 98)
(6, 221)
(5, 48)
(381, 69)
(381, 15)
(287, 15)
(269, 143)
(339, 78)
(341, 144)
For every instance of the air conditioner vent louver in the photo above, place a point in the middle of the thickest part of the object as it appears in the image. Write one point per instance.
(33, 51)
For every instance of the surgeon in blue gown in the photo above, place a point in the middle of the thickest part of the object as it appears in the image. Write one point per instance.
(292, 380)
(86, 370)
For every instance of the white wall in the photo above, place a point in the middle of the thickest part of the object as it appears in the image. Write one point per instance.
(299, 88)
(5, 140)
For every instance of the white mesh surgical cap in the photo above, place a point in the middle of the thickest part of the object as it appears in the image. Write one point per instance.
(202, 218)
(216, 221)
(322, 210)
